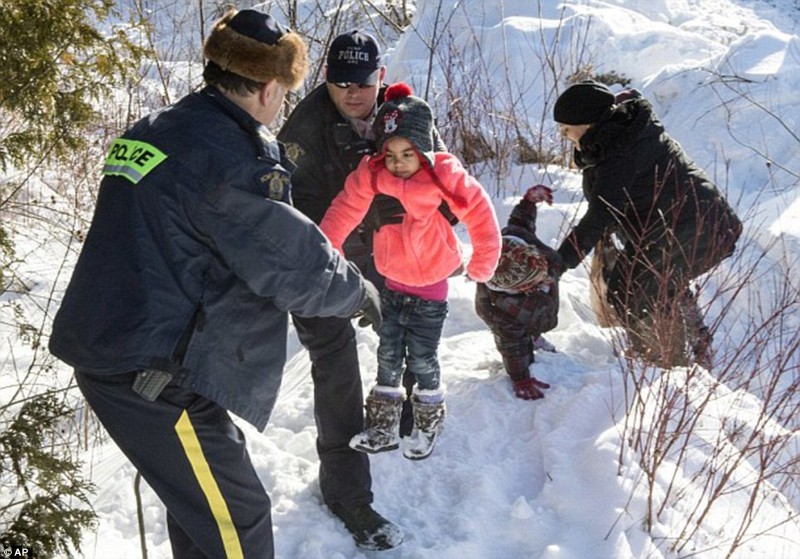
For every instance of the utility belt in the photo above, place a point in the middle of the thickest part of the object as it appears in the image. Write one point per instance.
(149, 383)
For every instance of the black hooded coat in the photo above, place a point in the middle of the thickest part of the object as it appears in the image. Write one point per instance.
(672, 221)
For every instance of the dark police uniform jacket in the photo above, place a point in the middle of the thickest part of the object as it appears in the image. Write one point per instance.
(325, 148)
(193, 261)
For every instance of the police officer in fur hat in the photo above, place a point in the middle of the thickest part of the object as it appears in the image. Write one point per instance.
(177, 309)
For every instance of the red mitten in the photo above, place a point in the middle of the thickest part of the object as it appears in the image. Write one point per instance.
(539, 193)
(529, 388)
(627, 94)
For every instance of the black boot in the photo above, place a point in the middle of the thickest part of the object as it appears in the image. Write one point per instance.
(369, 529)
(407, 414)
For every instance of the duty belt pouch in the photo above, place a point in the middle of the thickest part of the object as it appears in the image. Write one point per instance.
(150, 382)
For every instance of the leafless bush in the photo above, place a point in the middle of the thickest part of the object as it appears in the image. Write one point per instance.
(732, 92)
(483, 102)
(703, 438)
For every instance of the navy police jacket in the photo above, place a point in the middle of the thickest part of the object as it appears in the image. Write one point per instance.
(194, 259)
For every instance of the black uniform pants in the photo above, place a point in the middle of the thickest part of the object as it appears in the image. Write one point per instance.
(195, 459)
(344, 475)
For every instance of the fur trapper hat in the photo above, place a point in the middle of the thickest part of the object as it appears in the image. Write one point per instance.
(405, 116)
(522, 267)
(254, 45)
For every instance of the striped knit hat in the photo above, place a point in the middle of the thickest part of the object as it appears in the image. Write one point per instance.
(522, 267)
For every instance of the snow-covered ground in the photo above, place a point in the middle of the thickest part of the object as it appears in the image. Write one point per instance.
(515, 479)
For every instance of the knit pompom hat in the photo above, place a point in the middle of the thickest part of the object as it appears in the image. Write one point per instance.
(522, 267)
(254, 45)
(405, 116)
(583, 103)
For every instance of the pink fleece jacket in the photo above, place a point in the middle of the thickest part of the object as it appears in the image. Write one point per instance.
(423, 249)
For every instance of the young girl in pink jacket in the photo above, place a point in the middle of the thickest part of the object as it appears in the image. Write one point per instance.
(416, 256)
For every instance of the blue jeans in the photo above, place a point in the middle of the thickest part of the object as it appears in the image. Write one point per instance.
(411, 330)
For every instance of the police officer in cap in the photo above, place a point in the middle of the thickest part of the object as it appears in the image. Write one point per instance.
(326, 135)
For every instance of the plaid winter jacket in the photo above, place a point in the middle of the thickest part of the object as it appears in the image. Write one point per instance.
(515, 319)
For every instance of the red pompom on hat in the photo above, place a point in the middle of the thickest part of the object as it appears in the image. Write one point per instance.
(396, 91)
(404, 115)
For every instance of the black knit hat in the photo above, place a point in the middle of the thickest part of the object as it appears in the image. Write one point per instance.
(583, 103)
(254, 45)
(405, 116)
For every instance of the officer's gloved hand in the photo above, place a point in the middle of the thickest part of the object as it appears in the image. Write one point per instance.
(370, 311)
(385, 210)
(390, 210)
(448, 214)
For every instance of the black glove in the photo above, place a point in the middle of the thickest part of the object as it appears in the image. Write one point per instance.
(385, 210)
(352, 148)
(556, 265)
(388, 210)
(370, 311)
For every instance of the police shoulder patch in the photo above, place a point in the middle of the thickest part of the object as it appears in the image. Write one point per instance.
(275, 183)
(132, 159)
(294, 151)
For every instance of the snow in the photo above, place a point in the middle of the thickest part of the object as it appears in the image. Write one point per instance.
(549, 479)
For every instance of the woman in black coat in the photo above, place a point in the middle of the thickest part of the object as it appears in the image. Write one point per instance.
(672, 222)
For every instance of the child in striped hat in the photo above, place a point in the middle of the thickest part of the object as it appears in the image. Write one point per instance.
(520, 301)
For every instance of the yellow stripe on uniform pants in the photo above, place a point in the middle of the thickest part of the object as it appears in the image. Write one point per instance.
(219, 509)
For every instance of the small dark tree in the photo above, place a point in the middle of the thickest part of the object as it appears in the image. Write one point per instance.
(49, 507)
(58, 61)
(54, 62)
